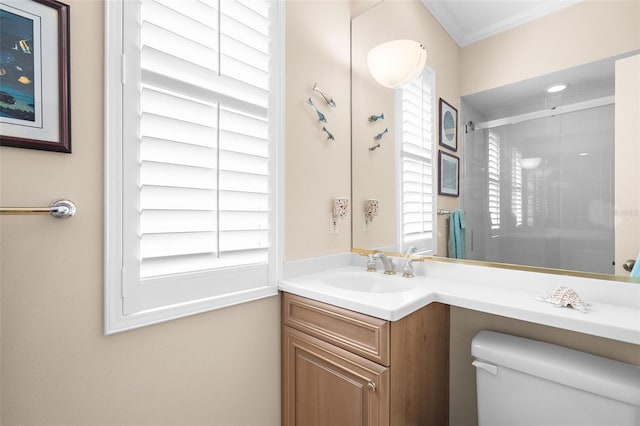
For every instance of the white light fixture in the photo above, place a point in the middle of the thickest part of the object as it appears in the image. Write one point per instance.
(396, 63)
(555, 88)
(530, 163)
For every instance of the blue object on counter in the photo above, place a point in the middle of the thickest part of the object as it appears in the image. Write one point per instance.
(635, 272)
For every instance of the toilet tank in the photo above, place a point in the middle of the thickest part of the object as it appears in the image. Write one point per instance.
(526, 382)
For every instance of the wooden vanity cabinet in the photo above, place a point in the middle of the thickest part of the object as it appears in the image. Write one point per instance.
(344, 368)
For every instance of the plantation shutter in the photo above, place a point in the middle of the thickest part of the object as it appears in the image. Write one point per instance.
(516, 187)
(196, 154)
(493, 172)
(417, 121)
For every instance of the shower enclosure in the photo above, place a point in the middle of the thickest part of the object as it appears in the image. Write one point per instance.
(540, 191)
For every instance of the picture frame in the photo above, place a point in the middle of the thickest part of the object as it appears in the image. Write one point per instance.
(448, 125)
(448, 174)
(35, 81)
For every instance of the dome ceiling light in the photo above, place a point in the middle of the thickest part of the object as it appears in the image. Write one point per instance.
(396, 63)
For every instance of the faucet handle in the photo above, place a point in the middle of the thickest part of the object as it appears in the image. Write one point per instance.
(371, 264)
(411, 250)
(407, 269)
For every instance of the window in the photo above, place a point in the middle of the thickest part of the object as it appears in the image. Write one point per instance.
(516, 187)
(191, 92)
(417, 106)
(494, 179)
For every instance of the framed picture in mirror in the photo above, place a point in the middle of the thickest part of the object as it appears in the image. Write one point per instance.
(449, 176)
(448, 126)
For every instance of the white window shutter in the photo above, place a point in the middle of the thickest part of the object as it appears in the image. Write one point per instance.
(197, 138)
(516, 187)
(493, 174)
(417, 106)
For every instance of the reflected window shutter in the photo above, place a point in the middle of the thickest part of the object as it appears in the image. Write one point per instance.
(516, 186)
(417, 133)
(200, 78)
(494, 179)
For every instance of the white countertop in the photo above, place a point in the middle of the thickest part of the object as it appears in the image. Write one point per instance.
(614, 312)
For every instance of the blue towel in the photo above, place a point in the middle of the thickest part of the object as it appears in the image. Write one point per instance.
(456, 234)
(635, 272)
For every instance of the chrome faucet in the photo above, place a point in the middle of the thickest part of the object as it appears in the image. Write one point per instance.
(387, 263)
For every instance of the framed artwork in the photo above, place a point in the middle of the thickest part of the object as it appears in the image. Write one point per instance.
(448, 126)
(449, 174)
(34, 75)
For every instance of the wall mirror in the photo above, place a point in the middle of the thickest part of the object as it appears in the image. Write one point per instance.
(538, 171)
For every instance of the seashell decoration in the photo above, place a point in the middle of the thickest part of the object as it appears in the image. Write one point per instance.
(565, 296)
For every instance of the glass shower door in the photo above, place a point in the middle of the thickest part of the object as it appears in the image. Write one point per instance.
(540, 192)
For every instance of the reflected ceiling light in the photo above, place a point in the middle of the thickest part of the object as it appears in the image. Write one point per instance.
(555, 88)
(530, 163)
(396, 63)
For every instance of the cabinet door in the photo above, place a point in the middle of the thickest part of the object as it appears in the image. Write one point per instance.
(324, 385)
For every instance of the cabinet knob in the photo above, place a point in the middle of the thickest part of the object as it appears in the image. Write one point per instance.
(371, 386)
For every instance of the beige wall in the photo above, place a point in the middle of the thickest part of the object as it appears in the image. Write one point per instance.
(374, 173)
(219, 368)
(627, 152)
(586, 32)
(317, 170)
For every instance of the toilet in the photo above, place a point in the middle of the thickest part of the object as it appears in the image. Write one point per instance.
(527, 382)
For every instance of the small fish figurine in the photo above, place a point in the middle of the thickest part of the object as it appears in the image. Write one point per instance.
(329, 135)
(374, 118)
(321, 116)
(381, 134)
(564, 296)
(328, 99)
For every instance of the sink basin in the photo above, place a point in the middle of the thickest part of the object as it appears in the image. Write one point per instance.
(369, 282)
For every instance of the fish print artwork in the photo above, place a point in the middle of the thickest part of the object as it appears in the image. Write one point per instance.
(17, 93)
